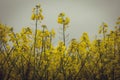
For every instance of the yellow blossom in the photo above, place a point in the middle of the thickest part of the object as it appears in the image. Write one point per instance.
(60, 20)
(33, 16)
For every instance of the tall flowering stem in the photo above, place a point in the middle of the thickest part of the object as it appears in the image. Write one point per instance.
(36, 24)
(62, 19)
(36, 16)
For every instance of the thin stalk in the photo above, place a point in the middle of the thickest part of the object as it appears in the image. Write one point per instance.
(43, 41)
(36, 24)
(64, 33)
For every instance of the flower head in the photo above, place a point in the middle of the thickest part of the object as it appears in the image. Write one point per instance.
(62, 19)
(37, 13)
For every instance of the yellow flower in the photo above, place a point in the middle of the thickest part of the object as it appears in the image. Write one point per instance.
(28, 30)
(53, 33)
(118, 22)
(37, 17)
(47, 33)
(38, 5)
(60, 20)
(42, 17)
(105, 25)
(67, 20)
(61, 14)
(40, 10)
(33, 16)
(100, 31)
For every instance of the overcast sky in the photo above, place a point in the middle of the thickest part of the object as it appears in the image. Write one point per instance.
(85, 15)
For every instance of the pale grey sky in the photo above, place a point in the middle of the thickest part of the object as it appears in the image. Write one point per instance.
(85, 15)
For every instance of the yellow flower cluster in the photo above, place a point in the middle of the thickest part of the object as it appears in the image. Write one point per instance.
(37, 13)
(3, 30)
(28, 56)
(103, 28)
(62, 19)
(63, 61)
(118, 21)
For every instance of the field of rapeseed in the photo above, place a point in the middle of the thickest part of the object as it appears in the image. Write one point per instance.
(31, 55)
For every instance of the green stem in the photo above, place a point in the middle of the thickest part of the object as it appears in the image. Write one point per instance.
(35, 41)
(64, 33)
